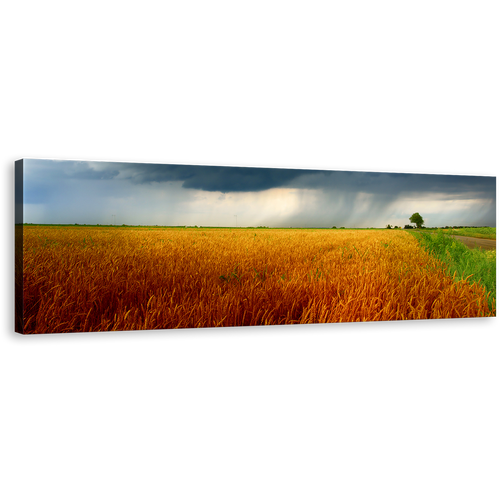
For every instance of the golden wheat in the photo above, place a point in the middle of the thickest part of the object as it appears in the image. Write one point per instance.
(96, 279)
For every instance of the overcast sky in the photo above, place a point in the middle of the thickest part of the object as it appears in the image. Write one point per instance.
(68, 192)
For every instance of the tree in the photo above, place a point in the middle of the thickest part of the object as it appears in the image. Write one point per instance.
(416, 218)
(389, 226)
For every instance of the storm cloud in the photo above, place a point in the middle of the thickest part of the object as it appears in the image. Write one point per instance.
(79, 191)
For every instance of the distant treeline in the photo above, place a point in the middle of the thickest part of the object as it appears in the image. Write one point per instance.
(407, 226)
(449, 227)
(153, 225)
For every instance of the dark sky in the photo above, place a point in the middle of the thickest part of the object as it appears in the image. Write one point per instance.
(92, 192)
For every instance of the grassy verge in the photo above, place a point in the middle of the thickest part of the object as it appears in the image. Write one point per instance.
(477, 265)
(489, 233)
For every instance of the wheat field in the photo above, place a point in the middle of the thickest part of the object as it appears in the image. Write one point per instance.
(79, 278)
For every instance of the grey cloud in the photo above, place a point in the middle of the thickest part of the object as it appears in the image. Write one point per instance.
(144, 173)
(84, 170)
(241, 180)
(249, 179)
(336, 191)
(212, 178)
(334, 201)
(246, 179)
(396, 183)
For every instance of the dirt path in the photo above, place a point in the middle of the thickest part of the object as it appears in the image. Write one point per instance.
(471, 242)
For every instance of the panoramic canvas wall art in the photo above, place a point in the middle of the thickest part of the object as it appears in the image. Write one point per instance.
(102, 246)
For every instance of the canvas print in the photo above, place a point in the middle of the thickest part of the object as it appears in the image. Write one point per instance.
(106, 246)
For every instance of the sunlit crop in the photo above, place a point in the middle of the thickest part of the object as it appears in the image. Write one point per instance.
(96, 279)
